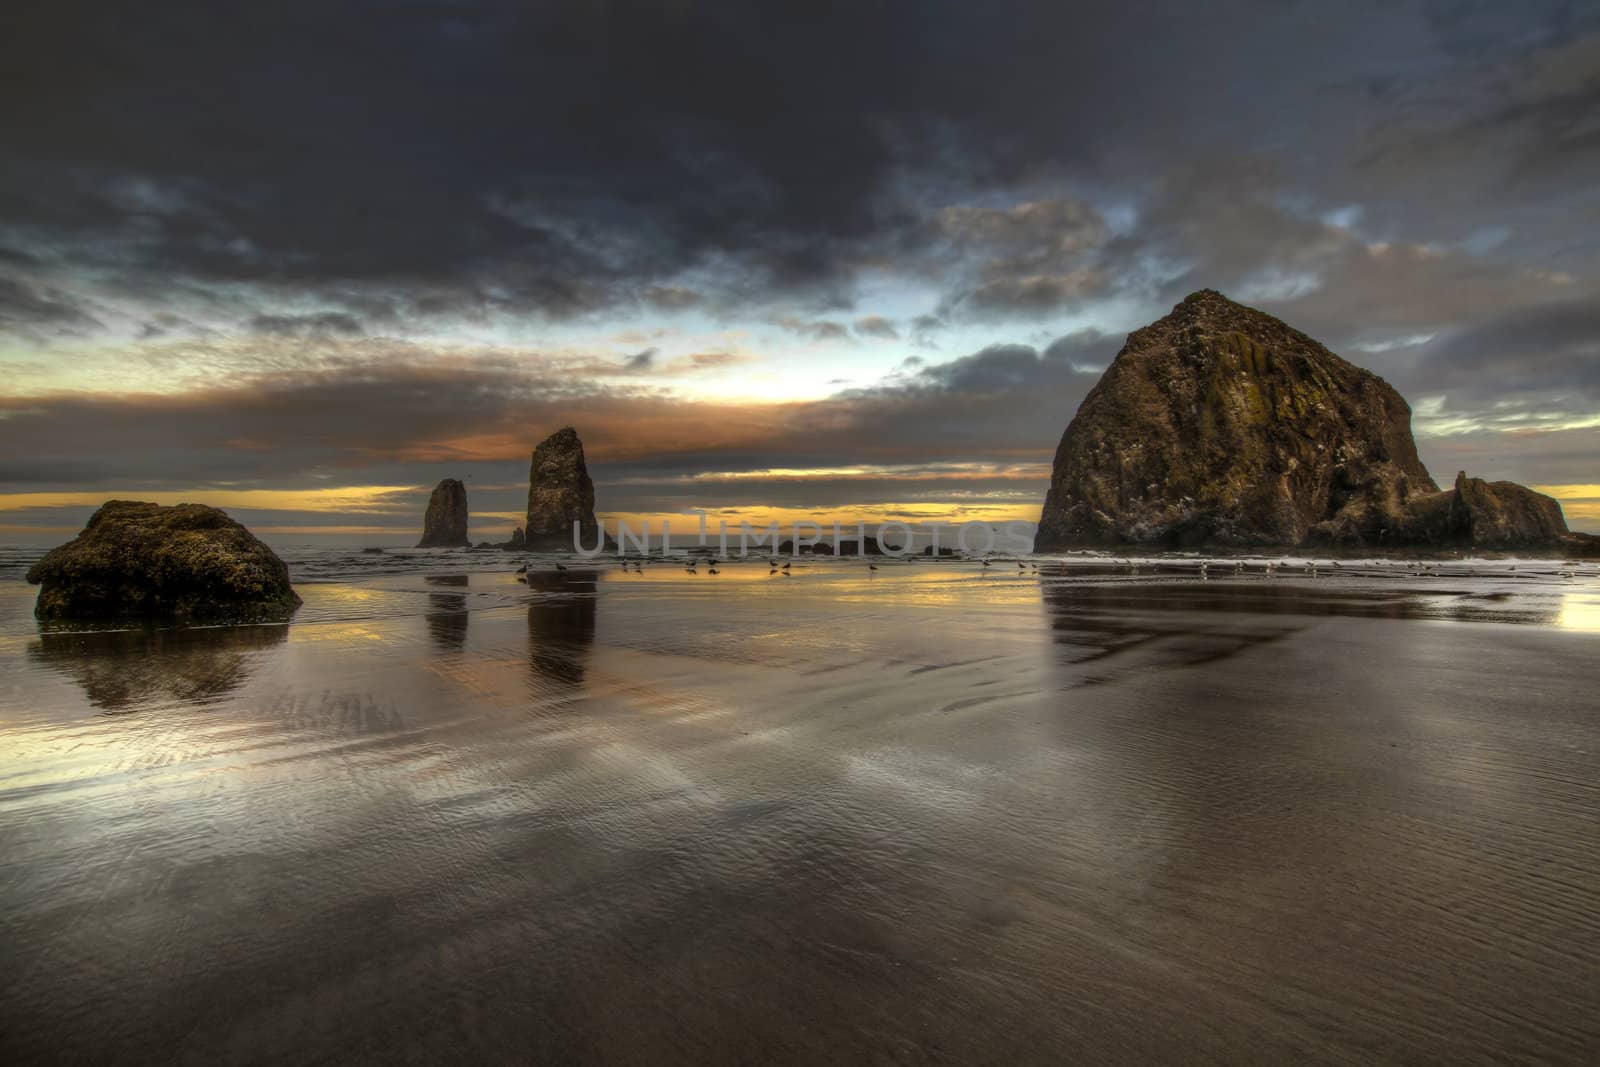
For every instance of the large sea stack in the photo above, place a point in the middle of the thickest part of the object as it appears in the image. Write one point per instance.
(143, 562)
(1221, 426)
(445, 524)
(560, 493)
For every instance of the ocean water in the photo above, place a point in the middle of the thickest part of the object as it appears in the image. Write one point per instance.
(1112, 810)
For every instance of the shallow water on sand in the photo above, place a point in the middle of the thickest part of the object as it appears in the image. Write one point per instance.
(913, 814)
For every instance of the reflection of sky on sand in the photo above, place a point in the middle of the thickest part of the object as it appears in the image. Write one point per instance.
(996, 813)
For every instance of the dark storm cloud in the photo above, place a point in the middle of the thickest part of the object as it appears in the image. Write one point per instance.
(641, 361)
(325, 323)
(1522, 369)
(1549, 347)
(1412, 183)
(462, 159)
(39, 312)
(818, 330)
(876, 326)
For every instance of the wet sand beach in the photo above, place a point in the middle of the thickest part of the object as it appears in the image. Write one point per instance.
(922, 814)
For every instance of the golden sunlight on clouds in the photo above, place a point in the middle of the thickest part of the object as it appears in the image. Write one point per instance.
(360, 499)
(899, 473)
(846, 515)
(1578, 502)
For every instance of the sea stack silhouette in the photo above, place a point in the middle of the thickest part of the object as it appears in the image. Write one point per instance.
(184, 564)
(560, 493)
(445, 524)
(1220, 426)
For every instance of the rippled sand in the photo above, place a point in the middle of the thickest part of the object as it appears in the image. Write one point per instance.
(920, 814)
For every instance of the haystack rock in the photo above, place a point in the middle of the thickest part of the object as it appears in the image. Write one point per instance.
(560, 493)
(445, 524)
(183, 564)
(1221, 426)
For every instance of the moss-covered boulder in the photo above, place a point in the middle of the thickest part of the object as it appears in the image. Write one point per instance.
(144, 562)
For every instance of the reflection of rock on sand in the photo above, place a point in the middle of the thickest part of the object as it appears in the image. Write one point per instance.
(447, 616)
(1119, 629)
(121, 668)
(561, 625)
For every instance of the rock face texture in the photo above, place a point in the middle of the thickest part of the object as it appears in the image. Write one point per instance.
(184, 564)
(1221, 426)
(559, 494)
(1218, 424)
(445, 524)
(1485, 515)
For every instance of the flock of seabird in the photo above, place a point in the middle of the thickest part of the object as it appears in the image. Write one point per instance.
(1202, 568)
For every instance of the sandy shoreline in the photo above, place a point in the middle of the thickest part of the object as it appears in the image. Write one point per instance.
(920, 814)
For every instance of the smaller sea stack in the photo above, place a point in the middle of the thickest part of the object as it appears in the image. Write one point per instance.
(445, 524)
(560, 493)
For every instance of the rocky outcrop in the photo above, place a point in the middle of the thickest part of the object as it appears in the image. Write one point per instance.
(867, 547)
(815, 548)
(183, 564)
(516, 543)
(1220, 425)
(445, 524)
(1484, 515)
(560, 493)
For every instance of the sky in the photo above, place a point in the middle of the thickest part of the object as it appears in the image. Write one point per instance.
(774, 261)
